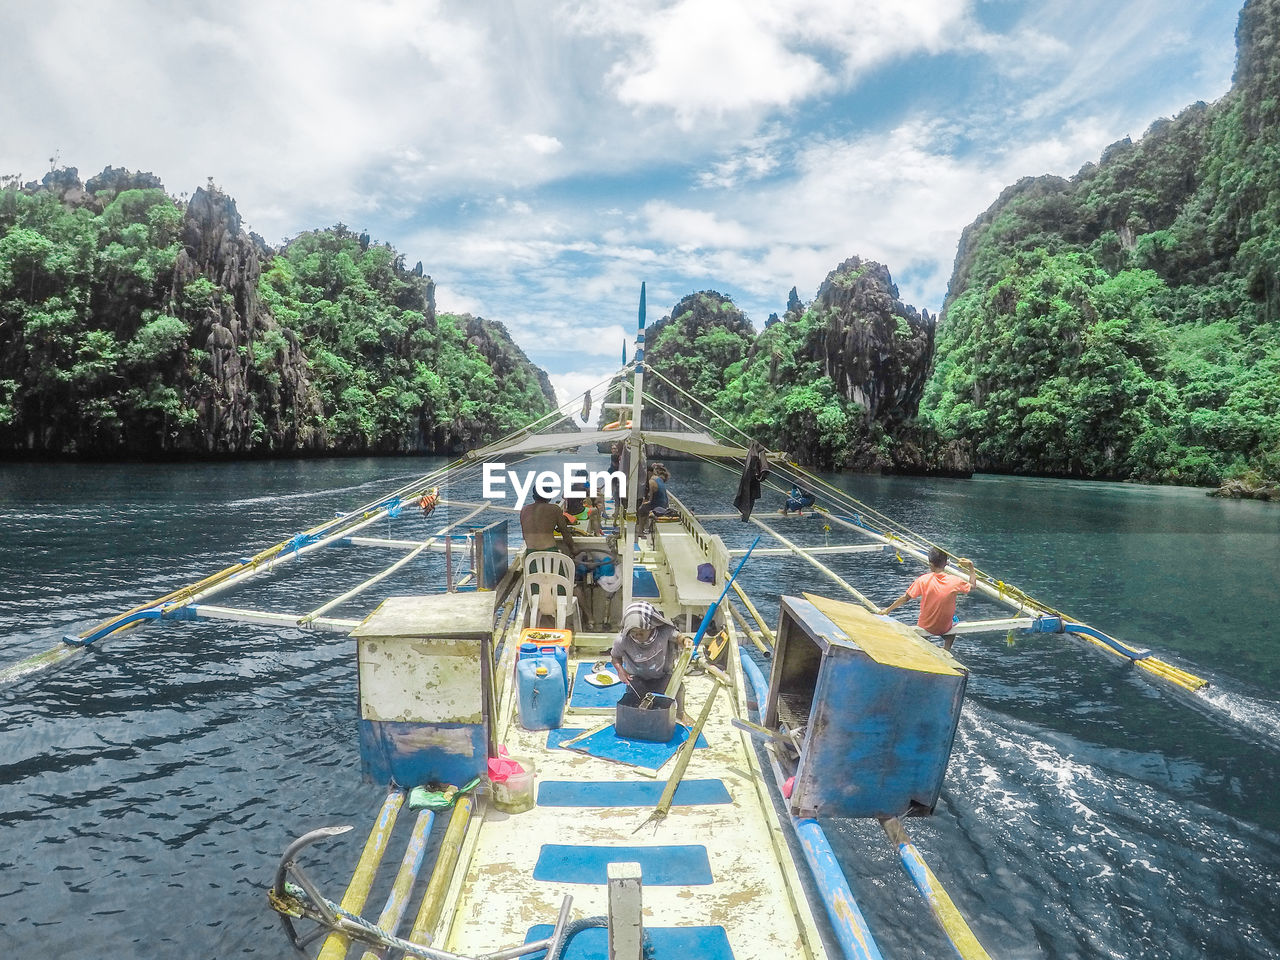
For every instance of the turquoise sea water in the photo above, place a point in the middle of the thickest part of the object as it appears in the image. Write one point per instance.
(147, 789)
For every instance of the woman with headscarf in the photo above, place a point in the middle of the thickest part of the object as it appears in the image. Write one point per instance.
(646, 649)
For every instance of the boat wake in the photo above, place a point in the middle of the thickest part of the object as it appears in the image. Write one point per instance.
(383, 483)
(1111, 836)
(1259, 720)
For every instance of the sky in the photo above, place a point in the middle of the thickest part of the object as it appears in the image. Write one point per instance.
(542, 159)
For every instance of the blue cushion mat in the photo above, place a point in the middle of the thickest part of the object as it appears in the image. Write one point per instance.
(607, 745)
(586, 695)
(628, 793)
(561, 734)
(643, 586)
(663, 866)
(703, 943)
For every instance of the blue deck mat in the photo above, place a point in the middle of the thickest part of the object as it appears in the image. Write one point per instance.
(683, 865)
(628, 793)
(642, 584)
(701, 943)
(607, 745)
(586, 695)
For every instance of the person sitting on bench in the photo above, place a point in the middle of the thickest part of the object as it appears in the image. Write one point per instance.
(656, 502)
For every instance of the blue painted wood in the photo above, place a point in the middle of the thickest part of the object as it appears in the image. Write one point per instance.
(491, 542)
(628, 793)
(879, 737)
(394, 751)
(557, 737)
(586, 695)
(851, 929)
(684, 865)
(693, 943)
(643, 586)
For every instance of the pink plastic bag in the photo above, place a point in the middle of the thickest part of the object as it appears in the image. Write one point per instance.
(501, 767)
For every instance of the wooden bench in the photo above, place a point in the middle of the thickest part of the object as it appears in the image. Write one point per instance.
(683, 555)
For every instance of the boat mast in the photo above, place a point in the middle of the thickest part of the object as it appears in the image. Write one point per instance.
(633, 470)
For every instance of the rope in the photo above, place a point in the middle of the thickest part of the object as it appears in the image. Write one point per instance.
(574, 928)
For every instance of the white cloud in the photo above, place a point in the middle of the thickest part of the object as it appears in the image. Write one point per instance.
(708, 58)
(541, 143)
(542, 161)
(700, 60)
(451, 300)
(688, 229)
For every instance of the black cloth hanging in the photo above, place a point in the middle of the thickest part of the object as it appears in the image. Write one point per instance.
(754, 472)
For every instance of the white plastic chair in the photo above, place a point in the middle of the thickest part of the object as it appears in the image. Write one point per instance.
(548, 589)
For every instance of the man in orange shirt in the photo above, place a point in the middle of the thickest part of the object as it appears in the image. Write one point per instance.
(937, 591)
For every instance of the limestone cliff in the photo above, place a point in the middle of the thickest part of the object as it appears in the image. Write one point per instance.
(836, 383)
(242, 405)
(134, 324)
(1124, 323)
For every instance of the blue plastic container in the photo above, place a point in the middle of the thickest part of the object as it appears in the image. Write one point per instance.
(540, 684)
(532, 651)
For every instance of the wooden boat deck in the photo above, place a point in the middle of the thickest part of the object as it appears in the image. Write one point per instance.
(754, 895)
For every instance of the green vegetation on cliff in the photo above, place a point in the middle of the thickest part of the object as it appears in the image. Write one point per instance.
(133, 324)
(836, 383)
(1126, 323)
(391, 372)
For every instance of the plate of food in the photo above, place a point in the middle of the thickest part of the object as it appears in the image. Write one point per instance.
(601, 677)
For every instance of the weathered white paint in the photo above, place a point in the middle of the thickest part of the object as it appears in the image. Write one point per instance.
(419, 658)
(756, 894)
(425, 681)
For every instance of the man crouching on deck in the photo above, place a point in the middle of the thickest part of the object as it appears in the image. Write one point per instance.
(937, 591)
(646, 650)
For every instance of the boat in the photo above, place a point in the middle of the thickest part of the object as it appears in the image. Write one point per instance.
(594, 828)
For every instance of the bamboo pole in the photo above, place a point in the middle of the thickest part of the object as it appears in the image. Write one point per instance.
(817, 563)
(336, 944)
(446, 860)
(398, 899)
(755, 615)
(491, 506)
(203, 611)
(752, 635)
(382, 575)
(686, 749)
(953, 924)
(1018, 601)
(848, 548)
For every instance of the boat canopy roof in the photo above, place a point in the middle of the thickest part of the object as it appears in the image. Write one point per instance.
(697, 443)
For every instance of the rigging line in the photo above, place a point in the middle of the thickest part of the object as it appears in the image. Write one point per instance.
(792, 471)
(1153, 664)
(567, 409)
(678, 417)
(546, 420)
(893, 527)
(848, 498)
(702, 403)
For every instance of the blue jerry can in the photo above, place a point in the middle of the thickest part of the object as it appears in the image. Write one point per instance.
(540, 684)
(551, 652)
